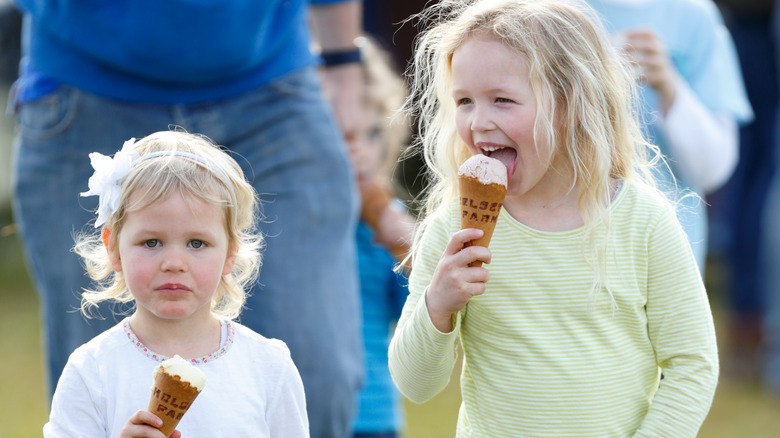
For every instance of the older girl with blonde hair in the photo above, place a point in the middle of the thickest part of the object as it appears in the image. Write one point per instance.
(589, 318)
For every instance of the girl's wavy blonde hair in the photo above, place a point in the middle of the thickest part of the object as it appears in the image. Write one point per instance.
(587, 100)
(217, 180)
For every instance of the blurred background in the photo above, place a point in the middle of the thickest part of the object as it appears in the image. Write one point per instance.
(742, 406)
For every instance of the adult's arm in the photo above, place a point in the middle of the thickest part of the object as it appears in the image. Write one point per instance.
(703, 143)
(335, 26)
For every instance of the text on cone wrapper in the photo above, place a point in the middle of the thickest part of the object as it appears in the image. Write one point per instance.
(170, 406)
(478, 210)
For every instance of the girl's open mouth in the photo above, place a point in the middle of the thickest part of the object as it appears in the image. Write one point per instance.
(508, 156)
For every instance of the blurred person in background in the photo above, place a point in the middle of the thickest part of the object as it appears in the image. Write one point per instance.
(693, 93)
(770, 254)
(384, 236)
(770, 261)
(388, 23)
(10, 45)
(95, 73)
(736, 209)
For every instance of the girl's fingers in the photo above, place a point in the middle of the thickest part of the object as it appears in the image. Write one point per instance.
(146, 417)
(477, 253)
(476, 275)
(459, 240)
(142, 424)
(462, 253)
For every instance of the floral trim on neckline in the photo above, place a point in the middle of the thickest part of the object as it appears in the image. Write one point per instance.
(224, 347)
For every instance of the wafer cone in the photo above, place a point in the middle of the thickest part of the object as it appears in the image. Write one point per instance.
(171, 397)
(376, 197)
(480, 205)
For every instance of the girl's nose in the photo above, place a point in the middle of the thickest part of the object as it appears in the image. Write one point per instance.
(481, 120)
(174, 260)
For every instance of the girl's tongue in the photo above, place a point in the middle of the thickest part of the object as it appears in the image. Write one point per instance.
(508, 156)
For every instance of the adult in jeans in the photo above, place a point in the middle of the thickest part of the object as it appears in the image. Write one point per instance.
(96, 73)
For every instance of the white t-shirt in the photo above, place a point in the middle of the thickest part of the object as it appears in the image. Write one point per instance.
(252, 389)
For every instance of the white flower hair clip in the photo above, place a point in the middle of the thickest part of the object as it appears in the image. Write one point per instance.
(105, 181)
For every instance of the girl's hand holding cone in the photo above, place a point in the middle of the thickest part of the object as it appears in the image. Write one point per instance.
(145, 424)
(459, 275)
(455, 281)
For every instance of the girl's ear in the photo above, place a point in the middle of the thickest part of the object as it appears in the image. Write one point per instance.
(230, 261)
(113, 253)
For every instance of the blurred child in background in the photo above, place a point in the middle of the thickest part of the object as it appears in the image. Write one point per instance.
(384, 236)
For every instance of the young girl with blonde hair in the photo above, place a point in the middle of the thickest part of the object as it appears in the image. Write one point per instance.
(590, 317)
(178, 240)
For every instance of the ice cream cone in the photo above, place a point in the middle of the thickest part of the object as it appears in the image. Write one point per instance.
(480, 205)
(482, 183)
(172, 395)
(376, 198)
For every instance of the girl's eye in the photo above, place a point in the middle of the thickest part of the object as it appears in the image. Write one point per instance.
(503, 100)
(151, 243)
(464, 101)
(197, 244)
(375, 133)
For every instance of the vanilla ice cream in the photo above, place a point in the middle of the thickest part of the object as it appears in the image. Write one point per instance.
(176, 366)
(487, 170)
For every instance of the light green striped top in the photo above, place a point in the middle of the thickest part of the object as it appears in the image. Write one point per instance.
(542, 359)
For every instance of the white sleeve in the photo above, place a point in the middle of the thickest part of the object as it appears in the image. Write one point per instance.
(286, 414)
(75, 410)
(703, 145)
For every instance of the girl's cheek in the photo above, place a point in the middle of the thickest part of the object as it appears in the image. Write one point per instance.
(464, 133)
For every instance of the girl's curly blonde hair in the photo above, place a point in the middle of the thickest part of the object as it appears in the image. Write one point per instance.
(190, 165)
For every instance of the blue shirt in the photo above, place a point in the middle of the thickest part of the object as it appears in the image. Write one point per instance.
(383, 294)
(173, 51)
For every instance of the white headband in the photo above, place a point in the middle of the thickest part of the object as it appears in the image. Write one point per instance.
(104, 182)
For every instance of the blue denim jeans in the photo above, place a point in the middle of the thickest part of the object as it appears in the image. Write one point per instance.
(285, 138)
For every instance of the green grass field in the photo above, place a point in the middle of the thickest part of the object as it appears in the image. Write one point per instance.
(740, 409)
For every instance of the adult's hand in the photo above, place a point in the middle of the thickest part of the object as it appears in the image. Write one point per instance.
(646, 50)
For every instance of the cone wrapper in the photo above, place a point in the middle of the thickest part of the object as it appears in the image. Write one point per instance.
(480, 205)
(171, 397)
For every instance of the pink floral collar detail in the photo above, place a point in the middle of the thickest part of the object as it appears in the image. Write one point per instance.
(225, 346)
